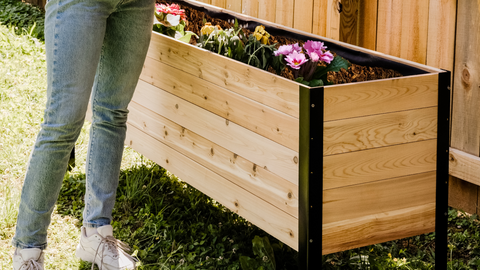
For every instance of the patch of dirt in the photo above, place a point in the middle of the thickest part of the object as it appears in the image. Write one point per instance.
(355, 73)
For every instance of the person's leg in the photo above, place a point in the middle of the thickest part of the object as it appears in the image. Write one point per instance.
(126, 42)
(74, 34)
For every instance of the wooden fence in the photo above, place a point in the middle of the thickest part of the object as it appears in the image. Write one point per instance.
(440, 33)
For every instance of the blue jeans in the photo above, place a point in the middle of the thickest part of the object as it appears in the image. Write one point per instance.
(97, 48)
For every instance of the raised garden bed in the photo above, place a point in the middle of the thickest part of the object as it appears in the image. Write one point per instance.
(265, 146)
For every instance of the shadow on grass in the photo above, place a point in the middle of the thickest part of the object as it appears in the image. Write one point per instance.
(171, 225)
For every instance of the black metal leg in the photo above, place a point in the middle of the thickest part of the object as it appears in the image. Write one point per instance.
(443, 131)
(311, 178)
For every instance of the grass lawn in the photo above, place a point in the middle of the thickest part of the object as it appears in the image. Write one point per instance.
(169, 224)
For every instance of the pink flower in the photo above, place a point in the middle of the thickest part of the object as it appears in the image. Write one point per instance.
(284, 50)
(297, 48)
(295, 59)
(173, 9)
(314, 46)
(314, 57)
(327, 57)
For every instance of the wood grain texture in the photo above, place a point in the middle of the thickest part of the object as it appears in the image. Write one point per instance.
(262, 86)
(380, 163)
(283, 14)
(349, 21)
(303, 15)
(357, 201)
(382, 96)
(265, 153)
(253, 178)
(463, 195)
(250, 7)
(320, 17)
(381, 130)
(219, 3)
(464, 166)
(466, 94)
(403, 28)
(378, 228)
(267, 10)
(273, 124)
(234, 5)
(441, 33)
(367, 24)
(276, 222)
(333, 20)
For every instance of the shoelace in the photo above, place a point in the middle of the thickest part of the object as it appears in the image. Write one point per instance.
(32, 265)
(115, 246)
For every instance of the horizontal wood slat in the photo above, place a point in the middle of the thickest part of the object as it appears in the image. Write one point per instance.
(262, 86)
(382, 96)
(255, 179)
(379, 163)
(268, 122)
(464, 166)
(241, 141)
(355, 134)
(276, 222)
(378, 228)
(352, 202)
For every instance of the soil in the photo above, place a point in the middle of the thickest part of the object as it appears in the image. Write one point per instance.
(355, 73)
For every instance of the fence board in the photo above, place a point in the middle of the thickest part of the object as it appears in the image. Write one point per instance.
(441, 33)
(319, 26)
(234, 5)
(333, 20)
(367, 24)
(403, 28)
(219, 3)
(284, 12)
(465, 132)
(250, 7)
(349, 18)
(302, 15)
(267, 10)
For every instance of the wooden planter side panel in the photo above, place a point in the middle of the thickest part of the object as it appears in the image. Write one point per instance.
(268, 122)
(263, 152)
(274, 91)
(379, 161)
(276, 222)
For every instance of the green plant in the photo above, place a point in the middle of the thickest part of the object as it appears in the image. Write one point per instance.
(23, 17)
(224, 42)
(170, 20)
(264, 260)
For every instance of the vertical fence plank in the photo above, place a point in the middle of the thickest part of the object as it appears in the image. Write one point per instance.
(465, 133)
(219, 3)
(250, 7)
(284, 12)
(234, 5)
(403, 28)
(303, 16)
(441, 33)
(349, 19)
(267, 9)
(367, 24)
(320, 17)
(333, 20)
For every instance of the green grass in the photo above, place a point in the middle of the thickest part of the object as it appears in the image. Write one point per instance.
(169, 224)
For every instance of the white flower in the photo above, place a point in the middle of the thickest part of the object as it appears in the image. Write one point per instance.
(174, 20)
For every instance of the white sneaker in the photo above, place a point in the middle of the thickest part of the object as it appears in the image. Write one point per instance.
(28, 259)
(104, 250)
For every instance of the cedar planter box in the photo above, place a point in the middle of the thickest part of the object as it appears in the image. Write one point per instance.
(266, 147)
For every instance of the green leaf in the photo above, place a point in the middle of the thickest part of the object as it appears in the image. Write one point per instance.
(315, 82)
(248, 263)
(336, 65)
(186, 38)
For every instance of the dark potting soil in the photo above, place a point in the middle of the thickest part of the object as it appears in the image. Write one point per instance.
(355, 73)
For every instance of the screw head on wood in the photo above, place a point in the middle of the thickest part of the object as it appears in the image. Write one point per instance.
(311, 240)
(313, 105)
